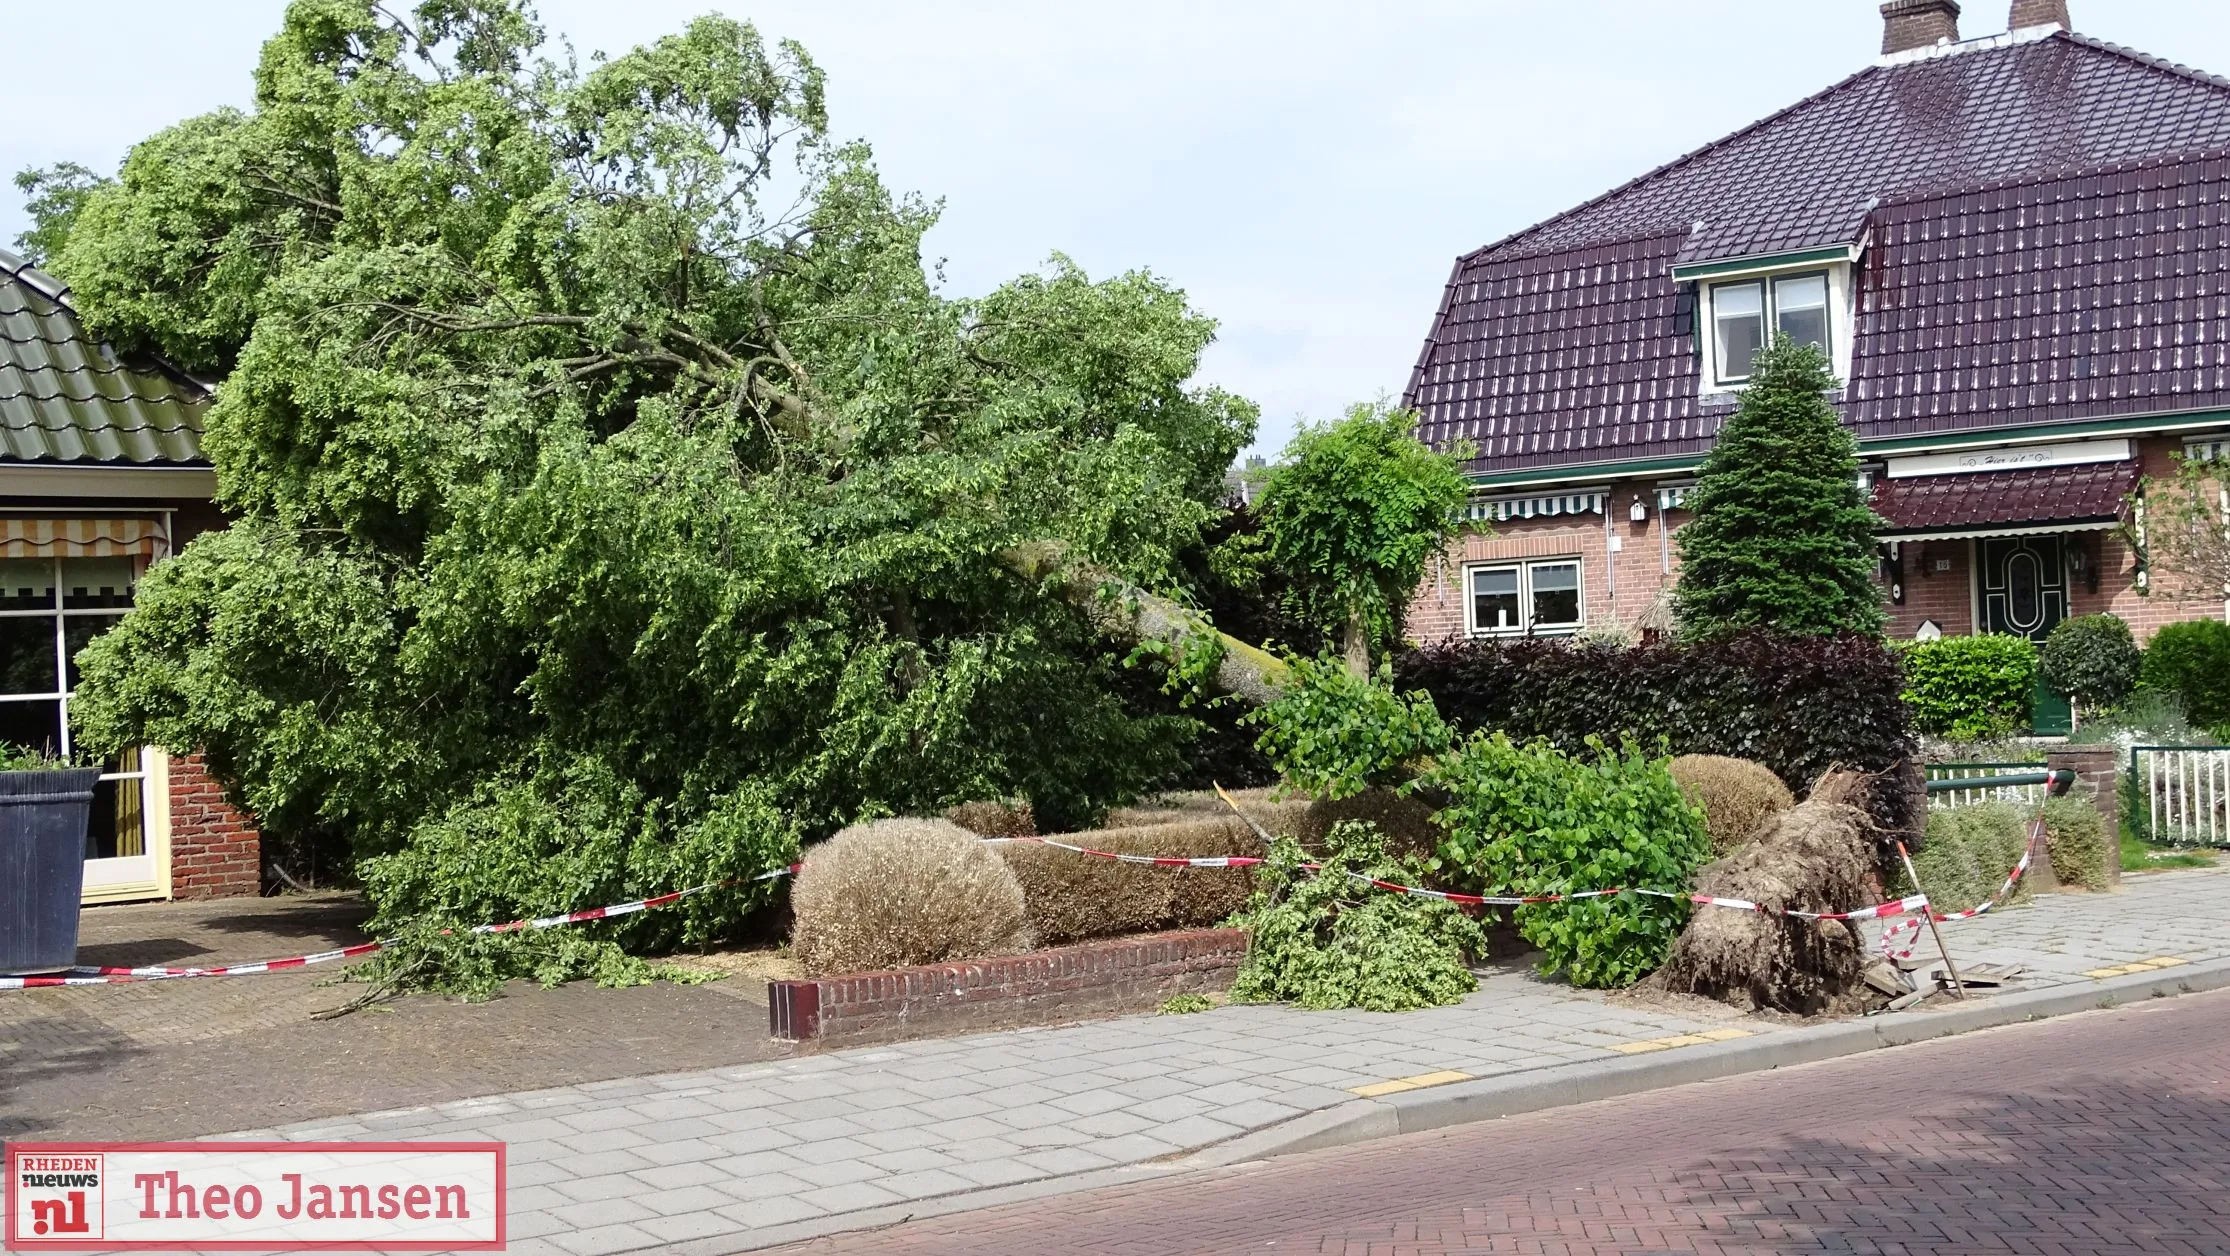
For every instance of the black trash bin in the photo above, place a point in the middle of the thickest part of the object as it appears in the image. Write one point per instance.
(42, 866)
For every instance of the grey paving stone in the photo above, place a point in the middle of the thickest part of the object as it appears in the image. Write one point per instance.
(588, 1189)
(1194, 1131)
(850, 1197)
(901, 1139)
(830, 1150)
(1092, 1102)
(1059, 1160)
(761, 1186)
(599, 1240)
(837, 1172)
(691, 1225)
(1111, 1124)
(1173, 1108)
(680, 1151)
(774, 1210)
(1133, 1148)
(826, 1128)
(684, 1199)
(925, 1183)
(667, 1177)
(752, 1164)
(997, 1172)
(601, 1212)
(911, 1160)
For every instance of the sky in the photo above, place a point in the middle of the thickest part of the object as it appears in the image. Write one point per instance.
(1306, 171)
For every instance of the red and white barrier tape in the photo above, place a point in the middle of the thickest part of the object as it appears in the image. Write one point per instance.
(123, 976)
(2013, 878)
(118, 976)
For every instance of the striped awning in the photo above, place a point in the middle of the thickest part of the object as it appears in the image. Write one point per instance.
(83, 538)
(1505, 508)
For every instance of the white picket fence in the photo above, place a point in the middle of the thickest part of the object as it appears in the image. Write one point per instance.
(2185, 793)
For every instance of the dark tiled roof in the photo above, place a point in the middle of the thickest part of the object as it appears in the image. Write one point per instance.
(2031, 496)
(2082, 296)
(1570, 343)
(65, 398)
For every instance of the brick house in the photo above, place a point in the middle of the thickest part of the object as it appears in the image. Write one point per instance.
(2016, 249)
(101, 474)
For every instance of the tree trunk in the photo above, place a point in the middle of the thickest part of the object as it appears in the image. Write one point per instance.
(1355, 646)
(1126, 612)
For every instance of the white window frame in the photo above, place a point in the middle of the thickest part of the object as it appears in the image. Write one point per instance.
(1525, 627)
(1841, 318)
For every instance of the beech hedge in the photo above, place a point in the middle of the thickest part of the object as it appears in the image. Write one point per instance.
(1795, 704)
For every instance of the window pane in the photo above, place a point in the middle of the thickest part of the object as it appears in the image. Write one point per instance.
(1494, 599)
(88, 582)
(78, 631)
(1556, 595)
(36, 725)
(118, 821)
(27, 654)
(1800, 309)
(26, 584)
(1738, 311)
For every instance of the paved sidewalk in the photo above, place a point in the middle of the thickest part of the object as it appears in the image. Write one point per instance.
(724, 1155)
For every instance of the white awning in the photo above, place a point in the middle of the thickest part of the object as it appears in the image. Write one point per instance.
(1500, 509)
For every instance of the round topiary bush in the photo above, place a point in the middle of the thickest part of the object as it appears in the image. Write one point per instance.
(2193, 659)
(1737, 797)
(899, 892)
(2092, 661)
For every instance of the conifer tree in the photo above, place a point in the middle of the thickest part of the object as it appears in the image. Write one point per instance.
(1782, 537)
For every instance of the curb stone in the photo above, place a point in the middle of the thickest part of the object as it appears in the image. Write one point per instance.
(1363, 1120)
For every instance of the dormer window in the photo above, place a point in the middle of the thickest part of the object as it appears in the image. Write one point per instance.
(1795, 306)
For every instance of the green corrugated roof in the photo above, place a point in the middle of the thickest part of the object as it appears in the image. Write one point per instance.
(64, 397)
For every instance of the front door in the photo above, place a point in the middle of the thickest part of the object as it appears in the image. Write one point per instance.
(2024, 592)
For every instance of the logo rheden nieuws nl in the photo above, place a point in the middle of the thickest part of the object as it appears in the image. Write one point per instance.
(255, 1196)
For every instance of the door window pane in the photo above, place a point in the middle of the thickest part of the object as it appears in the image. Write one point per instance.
(1556, 595)
(98, 582)
(1494, 600)
(26, 584)
(118, 827)
(27, 655)
(2024, 596)
(1738, 314)
(35, 725)
(1800, 309)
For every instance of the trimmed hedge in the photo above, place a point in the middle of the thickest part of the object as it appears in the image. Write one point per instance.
(1798, 705)
(1971, 688)
(2193, 659)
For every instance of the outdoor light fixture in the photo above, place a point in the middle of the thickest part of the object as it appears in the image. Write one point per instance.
(1639, 513)
(2082, 566)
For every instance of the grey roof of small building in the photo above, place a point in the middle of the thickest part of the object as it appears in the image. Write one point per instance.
(66, 398)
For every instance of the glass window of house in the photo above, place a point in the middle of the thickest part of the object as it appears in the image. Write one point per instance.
(49, 610)
(1495, 605)
(1556, 595)
(1738, 327)
(1800, 309)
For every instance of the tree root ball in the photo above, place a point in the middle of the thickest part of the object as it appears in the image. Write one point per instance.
(1817, 857)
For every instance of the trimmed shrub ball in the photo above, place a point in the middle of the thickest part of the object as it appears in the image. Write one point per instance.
(1737, 797)
(899, 892)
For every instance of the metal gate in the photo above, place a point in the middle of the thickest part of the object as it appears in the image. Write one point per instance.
(2183, 793)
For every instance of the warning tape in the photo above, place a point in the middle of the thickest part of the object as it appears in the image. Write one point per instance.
(2013, 878)
(123, 976)
(120, 976)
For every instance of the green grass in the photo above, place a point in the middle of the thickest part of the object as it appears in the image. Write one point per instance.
(2138, 856)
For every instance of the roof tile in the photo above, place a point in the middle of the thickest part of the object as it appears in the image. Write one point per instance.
(2037, 495)
(65, 398)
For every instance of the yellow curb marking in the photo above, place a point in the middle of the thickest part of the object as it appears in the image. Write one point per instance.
(2140, 966)
(1409, 1083)
(1681, 1040)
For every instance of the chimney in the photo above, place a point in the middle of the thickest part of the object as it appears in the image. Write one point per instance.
(1910, 24)
(2031, 13)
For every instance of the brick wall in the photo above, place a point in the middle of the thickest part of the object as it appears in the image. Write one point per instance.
(1622, 585)
(1095, 978)
(215, 852)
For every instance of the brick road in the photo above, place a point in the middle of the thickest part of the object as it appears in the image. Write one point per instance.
(2107, 1132)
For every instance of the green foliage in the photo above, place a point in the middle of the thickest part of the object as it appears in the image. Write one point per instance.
(2183, 536)
(1184, 1005)
(2091, 660)
(52, 197)
(1526, 820)
(1351, 515)
(2076, 835)
(1782, 537)
(2193, 659)
(1326, 940)
(1333, 734)
(15, 758)
(599, 445)
(1970, 688)
(1968, 853)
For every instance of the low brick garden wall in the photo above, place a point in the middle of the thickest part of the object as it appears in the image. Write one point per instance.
(1100, 978)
